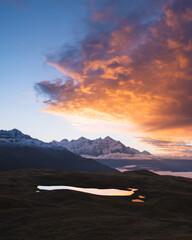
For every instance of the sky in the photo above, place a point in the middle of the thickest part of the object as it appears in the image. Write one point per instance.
(98, 68)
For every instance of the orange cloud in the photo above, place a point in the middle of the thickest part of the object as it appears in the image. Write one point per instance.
(135, 72)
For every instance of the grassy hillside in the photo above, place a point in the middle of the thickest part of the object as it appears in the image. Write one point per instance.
(64, 214)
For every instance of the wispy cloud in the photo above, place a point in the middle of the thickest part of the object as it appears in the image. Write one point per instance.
(179, 147)
(133, 65)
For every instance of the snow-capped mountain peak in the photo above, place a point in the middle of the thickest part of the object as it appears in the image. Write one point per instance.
(13, 134)
(16, 137)
(81, 146)
(97, 147)
(109, 139)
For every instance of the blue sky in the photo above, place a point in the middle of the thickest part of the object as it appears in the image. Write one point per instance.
(30, 30)
(36, 36)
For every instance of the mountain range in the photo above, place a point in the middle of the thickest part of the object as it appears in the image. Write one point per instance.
(81, 146)
(97, 147)
(19, 151)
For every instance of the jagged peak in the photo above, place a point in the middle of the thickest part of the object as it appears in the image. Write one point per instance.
(96, 147)
(64, 140)
(108, 138)
(145, 152)
(15, 130)
(14, 133)
(81, 139)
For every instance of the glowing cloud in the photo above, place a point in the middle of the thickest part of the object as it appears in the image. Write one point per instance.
(133, 66)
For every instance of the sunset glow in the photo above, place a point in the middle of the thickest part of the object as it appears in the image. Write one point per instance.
(125, 69)
(96, 119)
(133, 71)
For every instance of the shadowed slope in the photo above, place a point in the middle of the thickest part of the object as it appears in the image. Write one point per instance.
(18, 157)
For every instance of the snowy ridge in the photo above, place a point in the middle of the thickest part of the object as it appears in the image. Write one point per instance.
(81, 146)
(17, 138)
(97, 147)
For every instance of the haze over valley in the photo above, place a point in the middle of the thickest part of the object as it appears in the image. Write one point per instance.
(19, 151)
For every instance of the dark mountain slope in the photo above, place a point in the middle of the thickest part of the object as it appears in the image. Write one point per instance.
(18, 157)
